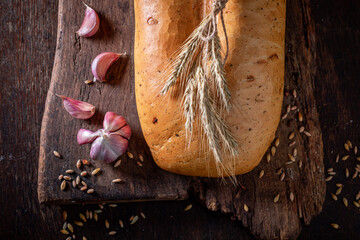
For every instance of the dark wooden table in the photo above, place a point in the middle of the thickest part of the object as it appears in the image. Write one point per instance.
(28, 36)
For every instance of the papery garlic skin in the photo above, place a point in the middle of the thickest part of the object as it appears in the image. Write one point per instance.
(78, 109)
(109, 143)
(102, 63)
(90, 24)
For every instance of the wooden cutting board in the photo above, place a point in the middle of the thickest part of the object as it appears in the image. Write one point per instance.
(265, 218)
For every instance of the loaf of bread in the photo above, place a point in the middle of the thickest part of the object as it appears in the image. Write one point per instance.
(254, 71)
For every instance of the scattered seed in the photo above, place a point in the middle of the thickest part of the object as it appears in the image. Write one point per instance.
(70, 227)
(291, 157)
(84, 183)
(261, 173)
(273, 150)
(142, 215)
(356, 204)
(345, 201)
(307, 133)
(277, 142)
(84, 238)
(87, 214)
(112, 205)
(57, 154)
(68, 238)
(96, 171)
(294, 93)
(332, 173)
(74, 183)
(65, 225)
(279, 171)
(355, 149)
(300, 164)
(288, 108)
(83, 188)
(101, 206)
(78, 223)
(77, 180)
(347, 172)
(358, 158)
(355, 174)
(346, 147)
(67, 178)
(282, 176)
(357, 196)
(328, 178)
(82, 217)
(284, 116)
(338, 191)
(64, 231)
(330, 169)
(141, 157)
(334, 197)
(301, 129)
(83, 173)
(107, 224)
(300, 117)
(117, 180)
(337, 158)
(276, 198)
(349, 143)
(64, 215)
(188, 207)
(139, 164)
(130, 155)
(292, 143)
(295, 152)
(339, 185)
(344, 158)
(90, 191)
(292, 135)
(95, 216)
(289, 162)
(112, 233)
(292, 196)
(117, 163)
(61, 177)
(334, 225)
(134, 220)
(293, 108)
(78, 164)
(268, 157)
(246, 208)
(90, 214)
(86, 162)
(69, 171)
(63, 185)
(121, 223)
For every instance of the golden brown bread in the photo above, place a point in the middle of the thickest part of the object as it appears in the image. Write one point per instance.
(254, 70)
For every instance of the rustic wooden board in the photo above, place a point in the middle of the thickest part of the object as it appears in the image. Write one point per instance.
(265, 219)
(71, 68)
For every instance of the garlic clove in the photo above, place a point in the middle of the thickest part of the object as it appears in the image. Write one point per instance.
(125, 132)
(90, 24)
(113, 122)
(108, 148)
(78, 109)
(86, 136)
(102, 63)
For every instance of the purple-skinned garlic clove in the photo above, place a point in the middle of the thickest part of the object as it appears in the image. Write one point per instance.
(78, 109)
(108, 148)
(91, 23)
(86, 136)
(113, 122)
(102, 63)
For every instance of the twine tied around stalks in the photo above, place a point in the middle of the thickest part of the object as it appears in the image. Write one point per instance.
(198, 70)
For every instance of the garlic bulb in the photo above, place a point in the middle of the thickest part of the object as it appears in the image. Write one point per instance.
(91, 23)
(109, 143)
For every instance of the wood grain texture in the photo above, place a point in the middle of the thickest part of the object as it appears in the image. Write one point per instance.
(71, 68)
(28, 46)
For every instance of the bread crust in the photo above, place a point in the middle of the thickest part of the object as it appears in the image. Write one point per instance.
(254, 71)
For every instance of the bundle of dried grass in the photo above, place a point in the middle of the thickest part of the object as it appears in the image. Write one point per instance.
(199, 71)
